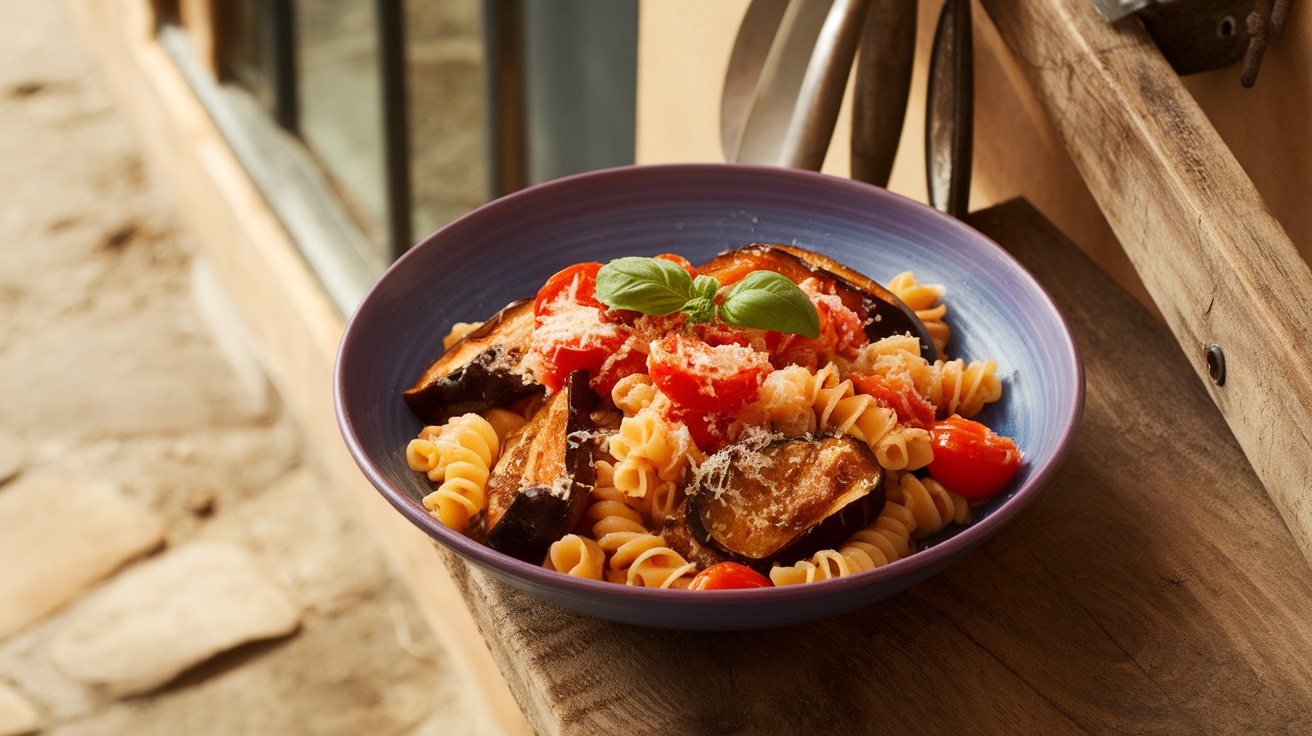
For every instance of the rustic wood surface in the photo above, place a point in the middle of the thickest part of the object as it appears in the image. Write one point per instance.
(1151, 588)
(1217, 264)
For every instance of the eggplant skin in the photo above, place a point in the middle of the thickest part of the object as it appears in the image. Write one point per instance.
(539, 487)
(531, 522)
(883, 312)
(781, 502)
(679, 537)
(481, 371)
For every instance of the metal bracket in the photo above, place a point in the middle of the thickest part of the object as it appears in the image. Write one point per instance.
(1201, 35)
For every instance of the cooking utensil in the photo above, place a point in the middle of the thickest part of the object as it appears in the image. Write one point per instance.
(781, 100)
(949, 113)
(886, 56)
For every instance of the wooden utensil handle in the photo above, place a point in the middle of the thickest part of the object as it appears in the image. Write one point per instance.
(1220, 268)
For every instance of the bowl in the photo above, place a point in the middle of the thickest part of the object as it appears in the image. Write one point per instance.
(507, 248)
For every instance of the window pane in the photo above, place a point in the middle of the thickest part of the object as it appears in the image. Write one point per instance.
(340, 106)
(581, 59)
(448, 158)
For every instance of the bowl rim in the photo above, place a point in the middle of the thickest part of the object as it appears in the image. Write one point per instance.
(537, 575)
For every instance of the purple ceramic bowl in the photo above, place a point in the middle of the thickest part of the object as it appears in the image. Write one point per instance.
(507, 248)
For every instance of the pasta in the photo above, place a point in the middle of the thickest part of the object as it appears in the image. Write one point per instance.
(648, 451)
(577, 556)
(926, 301)
(459, 455)
(681, 409)
(636, 555)
(961, 388)
(933, 506)
(633, 393)
(886, 540)
(839, 409)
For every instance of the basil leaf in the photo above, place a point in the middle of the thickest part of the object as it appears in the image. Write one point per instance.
(770, 301)
(649, 285)
(705, 287)
(700, 309)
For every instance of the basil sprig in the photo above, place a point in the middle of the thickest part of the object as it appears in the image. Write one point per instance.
(764, 300)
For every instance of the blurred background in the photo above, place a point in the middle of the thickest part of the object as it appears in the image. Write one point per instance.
(197, 195)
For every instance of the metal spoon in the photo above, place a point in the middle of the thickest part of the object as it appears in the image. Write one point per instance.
(781, 98)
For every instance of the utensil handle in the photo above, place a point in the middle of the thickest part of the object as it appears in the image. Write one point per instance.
(885, 58)
(795, 106)
(949, 114)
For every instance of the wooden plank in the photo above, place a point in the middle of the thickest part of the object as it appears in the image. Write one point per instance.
(1217, 264)
(1151, 588)
(199, 19)
(286, 309)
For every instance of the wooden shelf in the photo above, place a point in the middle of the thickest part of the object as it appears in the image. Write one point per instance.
(1151, 587)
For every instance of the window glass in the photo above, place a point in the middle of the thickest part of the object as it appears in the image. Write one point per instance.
(445, 88)
(340, 109)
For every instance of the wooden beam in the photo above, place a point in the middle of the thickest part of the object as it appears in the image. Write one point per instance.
(1217, 264)
(284, 306)
(201, 22)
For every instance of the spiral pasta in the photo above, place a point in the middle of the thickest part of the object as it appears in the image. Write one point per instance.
(648, 451)
(961, 388)
(886, 540)
(841, 410)
(894, 355)
(633, 393)
(577, 556)
(926, 301)
(459, 455)
(786, 399)
(636, 555)
(933, 506)
(504, 422)
(904, 448)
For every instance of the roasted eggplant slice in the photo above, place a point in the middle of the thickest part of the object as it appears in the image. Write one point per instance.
(880, 309)
(785, 500)
(679, 537)
(483, 370)
(539, 487)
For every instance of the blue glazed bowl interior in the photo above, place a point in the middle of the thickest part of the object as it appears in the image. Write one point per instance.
(506, 249)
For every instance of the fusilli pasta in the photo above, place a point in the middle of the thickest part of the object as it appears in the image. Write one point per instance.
(459, 455)
(577, 556)
(933, 505)
(886, 540)
(961, 388)
(926, 301)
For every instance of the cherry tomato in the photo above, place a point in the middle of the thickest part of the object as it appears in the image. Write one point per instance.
(680, 260)
(562, 282)
(705, 379)
(729, 576)
(970, 459)
(589, 353)
(898, 392)
(841, 332)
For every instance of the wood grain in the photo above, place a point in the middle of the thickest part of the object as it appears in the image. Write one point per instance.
(1217, 264)
(1151, 588)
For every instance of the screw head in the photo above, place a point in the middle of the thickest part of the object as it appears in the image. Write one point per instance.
(1215, 358)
